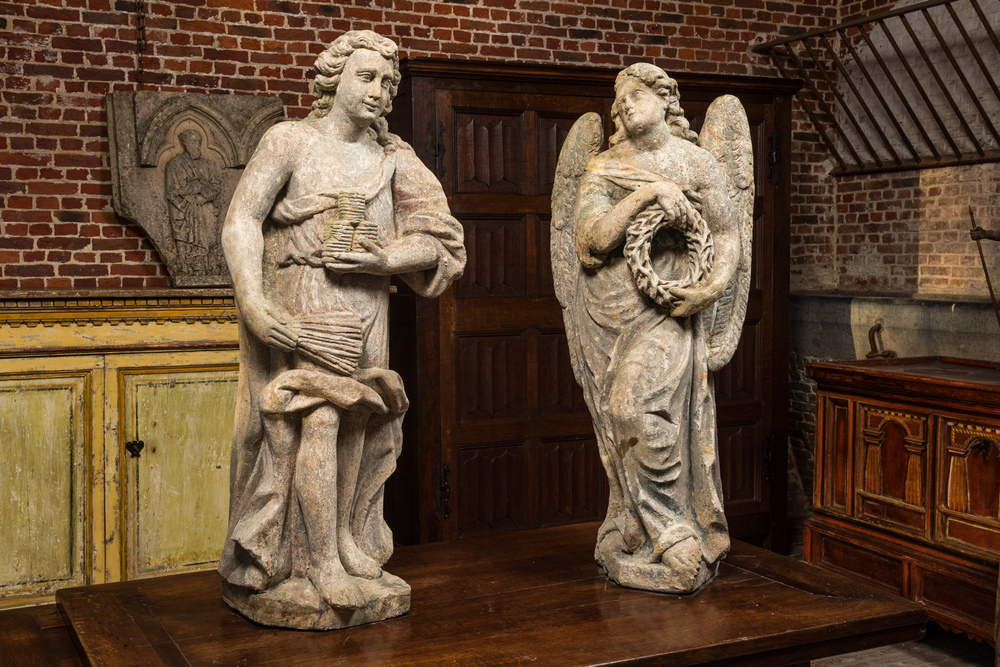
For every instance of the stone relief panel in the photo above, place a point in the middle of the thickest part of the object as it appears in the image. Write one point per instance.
(175, 161)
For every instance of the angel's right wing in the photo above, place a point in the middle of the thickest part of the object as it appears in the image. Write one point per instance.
(582, 143)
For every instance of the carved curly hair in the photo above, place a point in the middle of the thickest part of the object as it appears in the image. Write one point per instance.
(330, 65)
(660, 83)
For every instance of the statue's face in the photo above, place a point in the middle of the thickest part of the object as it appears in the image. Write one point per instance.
(192, 145)
(639, 108)
(363, 91)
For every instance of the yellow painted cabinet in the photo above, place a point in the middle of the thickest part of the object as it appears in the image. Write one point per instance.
(76, 507)
(50, 439)
(172, 496)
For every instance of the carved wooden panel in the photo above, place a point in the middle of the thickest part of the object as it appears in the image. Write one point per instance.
(969, 497)
(492, 488)
(834, 484)
(45, 445)
(489, 151)
(893, 450)
(495, 266)
(944, 590)
(739, 380)
(490, 373)
(573, 482)
(740, 462)
(843, 555)
(551, 131)
(558, 390)
(892, 467)
(177, 500)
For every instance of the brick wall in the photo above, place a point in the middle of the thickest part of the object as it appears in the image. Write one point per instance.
(60, 58)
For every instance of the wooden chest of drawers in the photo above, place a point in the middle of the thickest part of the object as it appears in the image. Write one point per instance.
(907, 486)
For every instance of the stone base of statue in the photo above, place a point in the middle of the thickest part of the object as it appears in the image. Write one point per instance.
(634, 570)
(295, 603)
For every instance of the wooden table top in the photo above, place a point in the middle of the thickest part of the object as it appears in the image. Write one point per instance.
(523, 597)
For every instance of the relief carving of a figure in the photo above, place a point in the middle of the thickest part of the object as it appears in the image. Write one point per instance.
(327, 210)
(651, 263)
(193, 184)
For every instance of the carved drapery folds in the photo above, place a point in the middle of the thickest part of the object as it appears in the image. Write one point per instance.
(175, 161)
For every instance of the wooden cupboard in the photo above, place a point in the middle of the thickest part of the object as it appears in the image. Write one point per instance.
(503, 437)
(907, 490)
(81, 380)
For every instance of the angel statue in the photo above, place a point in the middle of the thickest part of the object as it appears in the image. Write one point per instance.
(651, 264)
(326, 211)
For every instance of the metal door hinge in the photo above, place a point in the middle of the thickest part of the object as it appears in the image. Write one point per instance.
(773, 156)
(770, 458)
(442, 492)
(436, 149)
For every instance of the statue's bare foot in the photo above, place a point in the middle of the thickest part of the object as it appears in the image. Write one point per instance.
(356, 561)
(684, 559)
(335, 586)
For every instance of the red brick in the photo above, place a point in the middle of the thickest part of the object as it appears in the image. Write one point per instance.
(26, 270)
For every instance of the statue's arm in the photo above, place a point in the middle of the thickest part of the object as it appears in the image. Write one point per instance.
(721, 216)
(428, 251)
(601, 228)
(265, 175)
(979, 233)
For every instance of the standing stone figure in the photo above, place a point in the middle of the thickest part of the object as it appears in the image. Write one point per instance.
(193, 184)
(318, 422)
(651, 262)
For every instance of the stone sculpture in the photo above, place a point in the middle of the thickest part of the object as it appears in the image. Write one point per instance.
(327, 209)
(651, 264)
(193, 185)
(175, 162)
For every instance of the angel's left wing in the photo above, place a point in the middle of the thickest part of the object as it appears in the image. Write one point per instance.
(726, 135)
(582, 143)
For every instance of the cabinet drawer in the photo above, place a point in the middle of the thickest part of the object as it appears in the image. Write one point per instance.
(846, 557)
(893, 468)
(962, 602)
(968, 512)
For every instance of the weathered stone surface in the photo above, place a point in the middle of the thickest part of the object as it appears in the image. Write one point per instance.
(175, 162)
(295, 603)
(651, 263)
(327, 210)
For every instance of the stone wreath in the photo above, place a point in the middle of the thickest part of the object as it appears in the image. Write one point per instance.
(638, 243)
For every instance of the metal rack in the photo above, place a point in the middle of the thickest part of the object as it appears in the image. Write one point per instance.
(900, 94)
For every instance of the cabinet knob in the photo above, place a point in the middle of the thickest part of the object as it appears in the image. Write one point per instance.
(134, 447)
(981, 445)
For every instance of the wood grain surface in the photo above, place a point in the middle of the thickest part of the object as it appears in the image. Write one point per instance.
(517, 598)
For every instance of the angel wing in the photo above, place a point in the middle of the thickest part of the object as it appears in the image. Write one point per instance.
(582, 143)
(726, 135)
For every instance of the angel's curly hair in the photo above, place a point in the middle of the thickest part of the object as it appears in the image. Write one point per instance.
(660, 83)
(330, 65)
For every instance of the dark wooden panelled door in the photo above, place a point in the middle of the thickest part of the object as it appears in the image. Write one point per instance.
(516, 434)
(505, 438)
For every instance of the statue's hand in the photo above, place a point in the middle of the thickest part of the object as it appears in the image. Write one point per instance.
(375, 261)
(672, 200)
(977, 233)
(691, 300)
(271, 326)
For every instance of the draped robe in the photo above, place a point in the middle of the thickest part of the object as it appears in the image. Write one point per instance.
(403, 197)
(648, 387)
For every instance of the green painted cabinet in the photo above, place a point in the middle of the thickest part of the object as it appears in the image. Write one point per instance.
(76, 506)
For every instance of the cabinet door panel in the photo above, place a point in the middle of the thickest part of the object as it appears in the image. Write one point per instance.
(968, 454)
(893, 468)
(46, 439)
(176, 495)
